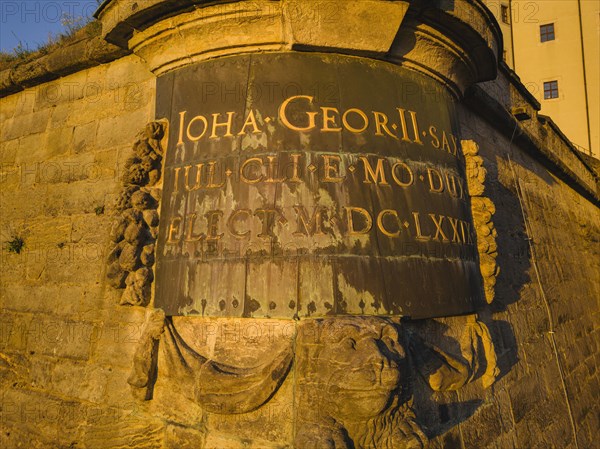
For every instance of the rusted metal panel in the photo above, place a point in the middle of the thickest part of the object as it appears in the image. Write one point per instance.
(312, 185)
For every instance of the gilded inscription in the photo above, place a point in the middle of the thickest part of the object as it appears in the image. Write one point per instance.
(403, 125)
(326, 168)
(319, 221)
(200, 226)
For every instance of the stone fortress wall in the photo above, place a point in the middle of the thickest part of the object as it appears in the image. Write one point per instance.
(67, 346)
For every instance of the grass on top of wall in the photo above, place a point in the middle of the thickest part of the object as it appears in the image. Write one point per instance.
(75, 29)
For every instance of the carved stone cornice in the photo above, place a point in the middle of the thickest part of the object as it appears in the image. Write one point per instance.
(456, 43)
(167, 38)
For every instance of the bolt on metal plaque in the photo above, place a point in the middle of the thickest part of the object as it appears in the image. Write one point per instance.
(310, 185)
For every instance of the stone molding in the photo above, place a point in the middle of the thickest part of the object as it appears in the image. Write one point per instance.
(246, 27)
(462, 42)
(79, 55)
(539, 137)
(457, 46)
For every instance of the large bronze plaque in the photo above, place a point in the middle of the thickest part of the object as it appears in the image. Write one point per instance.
(310, 185)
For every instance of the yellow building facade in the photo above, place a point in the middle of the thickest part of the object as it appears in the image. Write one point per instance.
(553, 45)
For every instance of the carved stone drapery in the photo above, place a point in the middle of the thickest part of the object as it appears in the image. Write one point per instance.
(134, 234)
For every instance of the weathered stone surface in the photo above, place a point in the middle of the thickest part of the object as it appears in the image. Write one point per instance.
(76, 56)
(327, 24)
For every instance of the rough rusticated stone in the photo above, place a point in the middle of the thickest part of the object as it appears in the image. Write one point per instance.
(82, 54)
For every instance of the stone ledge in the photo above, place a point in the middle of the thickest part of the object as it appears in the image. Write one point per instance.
(553, 138)
(456, 43)
(470, 24)
(539, 135)
(122, 18)
(592, 162)
(64, 60)
(221, 29)
(515, 80)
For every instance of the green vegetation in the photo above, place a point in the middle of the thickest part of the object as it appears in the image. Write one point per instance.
(74, 29)
(15, 245)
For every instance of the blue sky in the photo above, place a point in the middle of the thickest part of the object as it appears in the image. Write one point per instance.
(32, 21)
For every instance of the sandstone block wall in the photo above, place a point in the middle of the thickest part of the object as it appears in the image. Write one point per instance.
(66, 346)
(546, 308)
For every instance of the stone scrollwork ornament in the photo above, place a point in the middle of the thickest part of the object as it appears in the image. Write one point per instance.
(483, 210)
(446, 372)
(134, 234)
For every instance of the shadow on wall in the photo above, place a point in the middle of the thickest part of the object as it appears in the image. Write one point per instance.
(417, 365)
(513, 248)
(514, 260)
(440, 412)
